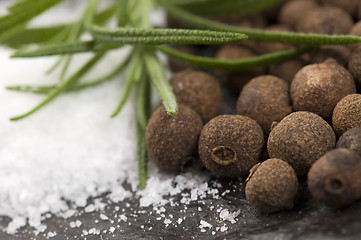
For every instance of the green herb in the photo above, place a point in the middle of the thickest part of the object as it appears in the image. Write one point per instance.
(143, 65)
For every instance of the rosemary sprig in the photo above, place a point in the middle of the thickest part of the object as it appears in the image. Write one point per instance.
(159, 79)
(261, 35)
(135, 74)
(234, 65)
(20, 13)
(75, 87)
(55, 92)
(65, 48)
(148, 36)
(142, 114)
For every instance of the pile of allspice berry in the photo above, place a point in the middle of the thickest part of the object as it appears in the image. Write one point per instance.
(301, 117)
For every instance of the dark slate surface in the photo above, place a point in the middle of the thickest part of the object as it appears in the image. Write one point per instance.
(308, 220)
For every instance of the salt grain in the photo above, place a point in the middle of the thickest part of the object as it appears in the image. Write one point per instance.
(203, 225)
(225, 215)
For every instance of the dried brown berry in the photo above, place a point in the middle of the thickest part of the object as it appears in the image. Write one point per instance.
(349, 6)
(199, 91)
(334, 179)
(355, 30)
(318, 88)
(230, 145)
(172, 140)
(325, 20)
(236, 80)
(292, 11)
(351, 139)
(339, 53)
(177, 66)
(300, 139)
(272, 186)
(347, 114)
(265, 99)
(287, 69)
(354, 65)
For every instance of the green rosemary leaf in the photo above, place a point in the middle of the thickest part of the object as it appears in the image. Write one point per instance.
(16, 18)
(32, 89)
(73, 88)
(65, 48)
(160, 81)
(234, 65)
(67, 60)
(142, 157)
(228, 7)
(149, 36)
(262, 35)
(134, 75)
(9, 33)
(71, 80)
(143, 114)
(25, 5)
(33, 35)
(122, 13)
(105, 15)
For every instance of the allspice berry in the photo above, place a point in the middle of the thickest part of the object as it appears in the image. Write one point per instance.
(172, 139)
(349, 6)
(354, 65)
(265, 99)
(325, 20)
(287, 69)
(272, 186)
(339, 53)
(176, 66)
(292, 11)
(355, 30)
(318, 88)
(351, 139)
(199, 91)
(334, 179)
(229, 145)
(300, 139)
(347, 114)
(236, 80)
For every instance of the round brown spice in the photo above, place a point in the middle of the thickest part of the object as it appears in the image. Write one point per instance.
(292, 11)
(199, 91)
(272, 186)
(172, 139)
(349, 6)
(287, 69)
(351, 139)
(335, 178)
(318, 88)
(300, 139)
(325, 20)
(355, 30)
(354, 65)
(230, 145)
(339, 53)
(265, 99)
(236, 80)
(347, 114)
